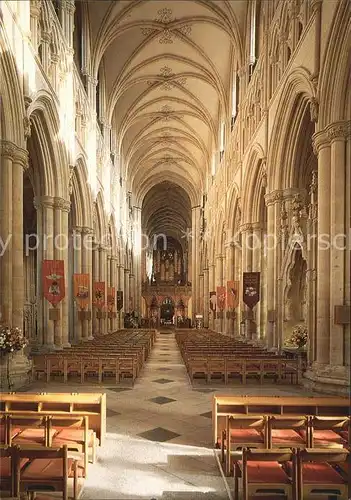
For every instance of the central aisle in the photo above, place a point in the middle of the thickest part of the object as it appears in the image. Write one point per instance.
(158, 436)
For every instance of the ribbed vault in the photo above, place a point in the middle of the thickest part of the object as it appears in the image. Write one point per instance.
(166, 71)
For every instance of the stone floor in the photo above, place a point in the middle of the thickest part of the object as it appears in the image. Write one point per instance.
(159, 434)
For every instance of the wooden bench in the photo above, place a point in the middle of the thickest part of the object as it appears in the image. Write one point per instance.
(237, 406)
(316, 476)
(91, 405)
(263, 474)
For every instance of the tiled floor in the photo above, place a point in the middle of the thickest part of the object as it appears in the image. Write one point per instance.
(158, 442)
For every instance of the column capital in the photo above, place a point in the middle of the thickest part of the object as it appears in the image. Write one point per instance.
(273, 197)
(220, 257)
(44, 201)
(62, 204)
(13, 152)
(87, 230)
(290, 193)
(335, 131)
(247, 227)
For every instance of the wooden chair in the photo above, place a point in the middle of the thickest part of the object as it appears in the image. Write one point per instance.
(27, 430)
(264, 474)
(215, 367)
(47, 469)
(197, 366)
(284, 431)
(245, 432)
(74, 432)
(317, 478)
(326, 432)
(7, 470)
(234, 369)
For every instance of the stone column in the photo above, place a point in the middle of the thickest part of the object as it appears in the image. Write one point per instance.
(246, 259)
(230, 276)
(201, 295)
(87, 258)
(35, 7)
(206, 297)
(96, 277)
(273, 207)
(212, 286)
(219, 281)
(195, 262)
(256, 267)
(67, 22)
(323, 254)
(237, 277)
(20, 161)
(137, 260)
(338, 135)
(45, 229)
(103, 277)
(61, 209)
(8, 151)
(127, 291)
(122, 288)
(45, 50)
(132, 291)
(77, 257)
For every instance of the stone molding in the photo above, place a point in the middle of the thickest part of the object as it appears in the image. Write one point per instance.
(273, 197)
(335, 131)
(13, 152)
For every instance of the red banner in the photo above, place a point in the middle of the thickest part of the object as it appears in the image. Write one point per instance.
(54, 281)
(99, 294)
(232, 294)
(221, 296)
(111, 297)
(81, 284)
(251, 289)
(213, 301)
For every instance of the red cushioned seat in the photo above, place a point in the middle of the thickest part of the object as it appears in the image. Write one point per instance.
(245, 436)
(44, 468)
(74, 435)
(32, 436)
(266, 472)
(324, 437)
(316, 473)
(287, 436)
(5, 466)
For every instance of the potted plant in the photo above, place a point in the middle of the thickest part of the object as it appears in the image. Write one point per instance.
(298, 338)
(11, 341)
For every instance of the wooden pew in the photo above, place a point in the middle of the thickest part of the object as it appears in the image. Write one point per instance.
(316, 476)
(92, 405)
(285, 431)
(274, 405)
(262, 474)
(47, 469)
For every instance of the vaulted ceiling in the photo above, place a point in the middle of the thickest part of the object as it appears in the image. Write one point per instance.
(166, 66)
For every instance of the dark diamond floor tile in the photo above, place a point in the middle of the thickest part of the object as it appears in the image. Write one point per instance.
(205, 391)
(164, 349)
(119, 389)
(164, 369)
(159, 434)
(208, 414)
(111, 413)
(162, 400)
(163, 380)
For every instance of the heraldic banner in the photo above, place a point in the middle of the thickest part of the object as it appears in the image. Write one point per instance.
(81, 290)
(232, 294)
(54, 281)
(251, 289)
(99, 294)
(119, 300)
(111, 296)
(213, 301)
(221, 293)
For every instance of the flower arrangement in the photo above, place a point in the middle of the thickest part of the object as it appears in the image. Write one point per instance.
(11, 339)
(299, 336)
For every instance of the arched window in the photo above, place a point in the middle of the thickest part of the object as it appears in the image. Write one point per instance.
(235, 97)
(222, 141)
(255, 20)
(78, 37)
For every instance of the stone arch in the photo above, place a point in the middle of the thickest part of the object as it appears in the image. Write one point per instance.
(254, 184)
(82, 193)
(334, 89)
(12, 102)
(45, 121)
(297, 93)
(232, 211)
(100, 224)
